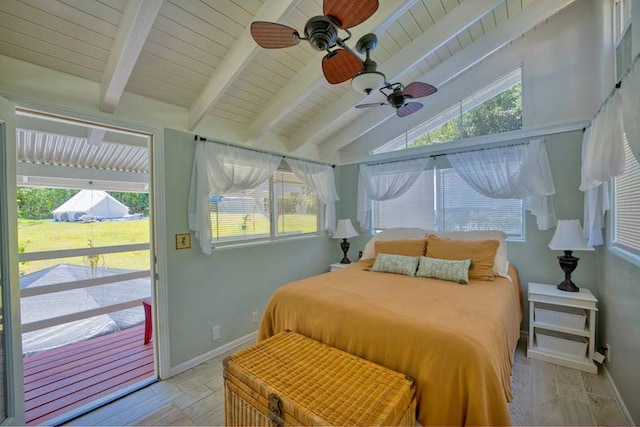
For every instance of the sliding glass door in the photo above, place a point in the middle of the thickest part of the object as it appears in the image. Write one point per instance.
(11, 389)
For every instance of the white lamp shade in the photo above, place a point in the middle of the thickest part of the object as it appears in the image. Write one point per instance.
(366, 82)
(344, 230)
(568, 237)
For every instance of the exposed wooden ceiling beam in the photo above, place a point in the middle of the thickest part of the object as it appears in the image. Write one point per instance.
(310, 77)
(436, 36)
(453, 67)
(137, 21)
(238, 57)
(96, 136)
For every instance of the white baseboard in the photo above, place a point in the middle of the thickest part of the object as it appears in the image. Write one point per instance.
(214, 353)
(617, 396)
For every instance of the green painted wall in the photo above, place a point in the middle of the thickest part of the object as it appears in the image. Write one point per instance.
(534, 260)
(223, 288)
(619, 294)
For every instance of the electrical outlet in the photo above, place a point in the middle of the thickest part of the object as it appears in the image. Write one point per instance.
(608, 347)
(254, 317)
(215, 333)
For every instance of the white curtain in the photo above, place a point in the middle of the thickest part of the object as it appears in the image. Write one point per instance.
(596, 204)
(603, 146)
(516, 172)
(219, 169)
(322, 180)
(630, 92)
(385, 181)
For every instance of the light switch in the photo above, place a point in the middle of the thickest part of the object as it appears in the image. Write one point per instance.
(183, 241)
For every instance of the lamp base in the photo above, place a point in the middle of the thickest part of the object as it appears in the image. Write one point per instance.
(568, 263)
(568, 286)
(345, 248)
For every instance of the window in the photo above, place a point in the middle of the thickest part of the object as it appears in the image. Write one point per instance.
(441, 200)
(281, 206)
(626, 214)
(493, 109)
(627, 206)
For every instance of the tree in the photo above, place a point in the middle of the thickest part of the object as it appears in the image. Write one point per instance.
(137, 202)
(502, 113)
(38, 203)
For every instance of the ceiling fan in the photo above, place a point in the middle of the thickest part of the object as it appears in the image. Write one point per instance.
(340, 63)
(397, 94)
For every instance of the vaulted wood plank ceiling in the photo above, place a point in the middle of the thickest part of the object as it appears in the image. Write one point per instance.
(199, 54)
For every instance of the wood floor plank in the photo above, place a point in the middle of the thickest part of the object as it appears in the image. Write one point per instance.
(55, 410)
(75, 376)
(75, 381)
(197, 394)
(79, 353)
(80, 397)
(93, 343)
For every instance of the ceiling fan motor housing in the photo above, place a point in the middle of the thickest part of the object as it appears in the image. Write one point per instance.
(396, 99)
(321, 32)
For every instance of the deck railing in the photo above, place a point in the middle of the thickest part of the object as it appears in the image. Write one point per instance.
(83, 283)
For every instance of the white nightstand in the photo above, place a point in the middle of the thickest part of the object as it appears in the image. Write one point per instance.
(562, 326)
(337, 266)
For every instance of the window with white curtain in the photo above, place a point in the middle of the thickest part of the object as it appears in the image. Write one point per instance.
(626, 202)
(280, 207)
(626, 230)
(441, 200)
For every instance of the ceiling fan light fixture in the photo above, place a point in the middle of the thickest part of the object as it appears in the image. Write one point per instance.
(368, 81)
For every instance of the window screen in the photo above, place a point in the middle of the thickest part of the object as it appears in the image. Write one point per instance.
(297, 207)
(241, 214)
(464, 209)
(627, 205)
(441, 200)
(415, 208)
(281, 206)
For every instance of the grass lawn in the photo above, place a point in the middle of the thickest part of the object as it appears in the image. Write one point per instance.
(230, 225)
(48, 235)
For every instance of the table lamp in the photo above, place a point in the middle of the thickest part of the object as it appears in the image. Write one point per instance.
(568, 238)
(344, 230)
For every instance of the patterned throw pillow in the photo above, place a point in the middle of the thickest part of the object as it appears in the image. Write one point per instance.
(445, 269)
(400, 264)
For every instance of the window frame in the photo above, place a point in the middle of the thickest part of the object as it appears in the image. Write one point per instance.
(402, 141)
(621, 27)
(274, 235)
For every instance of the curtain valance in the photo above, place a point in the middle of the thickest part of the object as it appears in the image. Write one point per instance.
(511, 172)
(385, 181)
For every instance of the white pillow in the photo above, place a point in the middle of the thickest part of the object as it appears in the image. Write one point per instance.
(501, 262)
(369, 251)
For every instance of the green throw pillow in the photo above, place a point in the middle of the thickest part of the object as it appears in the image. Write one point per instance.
(445, 269)
(400, 264)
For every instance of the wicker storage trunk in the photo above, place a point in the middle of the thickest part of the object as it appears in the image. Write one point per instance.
(289, 379)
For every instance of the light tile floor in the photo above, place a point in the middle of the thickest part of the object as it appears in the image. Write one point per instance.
(544, 394)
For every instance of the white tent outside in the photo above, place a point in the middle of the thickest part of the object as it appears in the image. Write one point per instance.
(90, 202)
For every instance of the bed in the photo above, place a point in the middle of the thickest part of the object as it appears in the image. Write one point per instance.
(456, 341)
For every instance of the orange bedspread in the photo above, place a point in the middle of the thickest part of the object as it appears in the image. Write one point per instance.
(457, 341)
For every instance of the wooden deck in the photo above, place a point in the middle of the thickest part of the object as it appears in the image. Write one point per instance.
(61, 380)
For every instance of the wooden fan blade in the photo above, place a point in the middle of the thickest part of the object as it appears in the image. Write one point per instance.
(408, 108)
(349, 13)
(371, 104)
(418, 90)
(271, 35)
(340, 65)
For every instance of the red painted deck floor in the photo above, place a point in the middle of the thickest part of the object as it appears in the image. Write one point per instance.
(60, 380)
